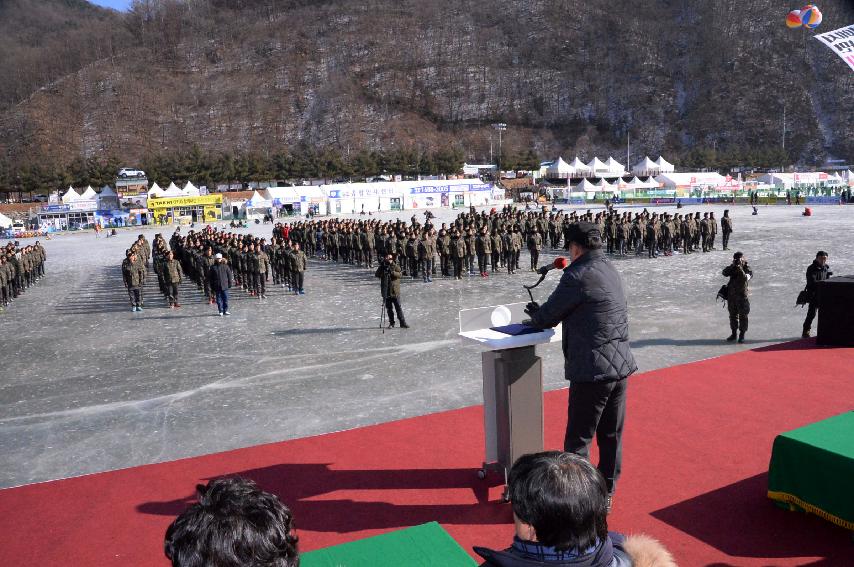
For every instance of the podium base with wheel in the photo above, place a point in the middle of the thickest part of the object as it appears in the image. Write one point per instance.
(512, 385)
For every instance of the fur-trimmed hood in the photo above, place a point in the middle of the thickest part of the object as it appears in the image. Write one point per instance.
(647, 552)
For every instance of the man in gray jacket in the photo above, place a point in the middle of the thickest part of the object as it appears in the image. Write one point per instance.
(591, 304)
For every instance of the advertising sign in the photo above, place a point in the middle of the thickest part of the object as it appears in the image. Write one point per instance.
(841, 42)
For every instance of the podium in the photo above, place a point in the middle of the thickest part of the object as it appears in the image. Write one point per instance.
(512, 384)
(836, 312)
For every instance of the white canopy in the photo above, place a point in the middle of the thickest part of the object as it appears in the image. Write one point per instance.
(5, 222)
(614, 166)
(155, 190)
(89, 194)
(191, 190)
(70, 196)
(172, 191)
(664, 165)
(597, 166)
(603, 185)
(579, 165)
(283, 195)
(635, 182)
(257, 200)
(587, 186)
(695, 179)
(645, 166)
(559, 168)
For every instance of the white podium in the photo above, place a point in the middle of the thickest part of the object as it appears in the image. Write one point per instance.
(512, 384)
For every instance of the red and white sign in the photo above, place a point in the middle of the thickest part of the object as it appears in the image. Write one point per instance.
(841, 42)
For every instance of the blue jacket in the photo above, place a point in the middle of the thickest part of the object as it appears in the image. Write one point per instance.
(591, 304)
(609, 553)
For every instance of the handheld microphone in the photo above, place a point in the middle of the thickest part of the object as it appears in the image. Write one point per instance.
(559, 264)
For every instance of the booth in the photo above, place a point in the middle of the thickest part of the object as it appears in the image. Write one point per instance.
(349, 198)
(203, 208)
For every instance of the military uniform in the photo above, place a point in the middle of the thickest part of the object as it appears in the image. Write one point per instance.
(738, 302)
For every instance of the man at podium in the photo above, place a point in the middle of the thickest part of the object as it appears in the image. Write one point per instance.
(590, 302)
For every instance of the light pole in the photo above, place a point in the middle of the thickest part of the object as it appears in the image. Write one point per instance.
(501, 127)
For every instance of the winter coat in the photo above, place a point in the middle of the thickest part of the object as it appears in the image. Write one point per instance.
(815, 274)
(172, 271)
(590, 302)
(389, 274)
(131, 274)
(738, 275)
(221, 277)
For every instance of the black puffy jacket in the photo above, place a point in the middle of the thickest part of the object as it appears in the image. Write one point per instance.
(591, 304)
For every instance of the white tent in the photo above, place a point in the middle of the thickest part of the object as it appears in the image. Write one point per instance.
(614, 166)
(663, 165)
(191, 190)
(579, 166)
(603, 185)
(70, 196)
(597, 166)
(155, 190)
(695, 179)
(258, 201)
(172, 191)
(283, 195)
(89, 194)
(587, 186)
(5, 222)
(559, 169)
(646, 167)
(635, 183)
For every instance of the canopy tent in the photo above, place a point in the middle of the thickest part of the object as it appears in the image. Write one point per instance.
(89, 194)
(70, 196)
(155, 191)
(645, 167)
(635, 183)
(107, 191)
(597, 166)
(695, 179)
(579, 166)
(587, 186)
(284, 195)
(172, 191)
(5, 222)
(191, 190)
(615, 167)
(258, 201)
(663, 165)
(603, 185)
(559, 168)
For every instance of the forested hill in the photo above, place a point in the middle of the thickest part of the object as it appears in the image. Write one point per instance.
(686, 78)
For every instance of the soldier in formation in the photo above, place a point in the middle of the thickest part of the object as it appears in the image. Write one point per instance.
(20, 268)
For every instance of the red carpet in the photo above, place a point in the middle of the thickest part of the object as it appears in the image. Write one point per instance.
(697, 447)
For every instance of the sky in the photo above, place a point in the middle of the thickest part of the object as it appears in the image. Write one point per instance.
(116, 4)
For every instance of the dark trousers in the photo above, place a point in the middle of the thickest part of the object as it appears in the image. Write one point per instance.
(739, 309)
(445, 263)
(598, 408)
(221, 300)
(392, 304)
(172, 290)
(458, 267)
(427, 267)
(535, 257)
(495, 260)
(260, 284)
(811, 310)
(481, 263)
(135, 295)
(297, 281)
(726, 240)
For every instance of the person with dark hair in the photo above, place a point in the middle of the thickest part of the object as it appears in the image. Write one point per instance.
(560, 514)
(738, 302)
(818, 271)
(389, 273)
(726, 228)
(234, 524)
(590, 302)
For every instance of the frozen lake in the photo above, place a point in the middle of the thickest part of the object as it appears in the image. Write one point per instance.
(87, 386)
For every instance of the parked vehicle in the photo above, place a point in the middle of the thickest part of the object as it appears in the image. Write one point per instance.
(130, 172)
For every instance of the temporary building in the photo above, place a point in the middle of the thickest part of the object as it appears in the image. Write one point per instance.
(155, 191)
(107, 198)
(691, 179)
(191, 190)
(172, 191)
(70, 196)
(664, 166)
(615, 167)
(89, 194)
(559, 169)
(579, 166)
(597, 167)
(281, 196)
(646, 167)
(587, 186)
(5, 222)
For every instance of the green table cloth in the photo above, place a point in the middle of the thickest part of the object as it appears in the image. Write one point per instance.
(812, 469)
(426, 545)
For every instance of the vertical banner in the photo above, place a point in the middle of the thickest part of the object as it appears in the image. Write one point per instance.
(841, 42)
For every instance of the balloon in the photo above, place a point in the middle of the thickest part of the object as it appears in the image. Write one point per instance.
(793, 19)
(811, 16)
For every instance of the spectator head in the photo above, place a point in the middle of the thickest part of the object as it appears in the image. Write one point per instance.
(233, 524)
(559, 500)
(582, 237)
(821, 257)
(738, 256)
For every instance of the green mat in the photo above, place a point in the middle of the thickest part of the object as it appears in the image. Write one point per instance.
(427, 545)
(812, 469)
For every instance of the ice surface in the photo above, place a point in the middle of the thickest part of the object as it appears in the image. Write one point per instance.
(86, 385)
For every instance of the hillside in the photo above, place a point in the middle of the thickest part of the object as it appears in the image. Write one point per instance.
(566, 76)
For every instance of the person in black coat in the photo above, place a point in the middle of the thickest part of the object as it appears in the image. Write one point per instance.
(818, 271)
(591, 304)
(221, 279)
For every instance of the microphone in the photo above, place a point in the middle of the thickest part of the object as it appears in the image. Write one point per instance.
(559, 264)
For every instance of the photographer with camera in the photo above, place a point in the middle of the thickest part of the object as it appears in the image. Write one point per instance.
(738, 303)
(389, 273)
(590, 303)
(818, 271)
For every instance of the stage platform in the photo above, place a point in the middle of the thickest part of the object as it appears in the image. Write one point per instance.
(697, 447)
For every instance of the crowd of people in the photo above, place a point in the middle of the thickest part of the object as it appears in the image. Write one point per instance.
(20, 268)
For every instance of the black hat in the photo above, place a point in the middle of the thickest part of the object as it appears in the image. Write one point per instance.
(737, 256)
(585, 234)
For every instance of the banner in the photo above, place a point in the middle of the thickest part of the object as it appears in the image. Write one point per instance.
(841, 42)
(169, 203)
